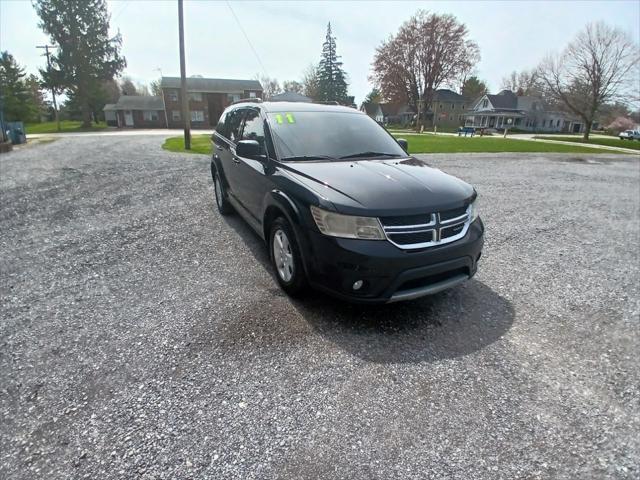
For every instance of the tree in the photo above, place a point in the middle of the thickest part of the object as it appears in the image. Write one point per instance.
(155, 88)
(332, 83)
(620, 124)
(609, 112)
(310, 82)
(598, 66)
(270, 86)
(374, 96)
(127, 87)
(473, 88)
(86, 54)
(527, 82)
(17, 99)
(41, 106)
(428, 51)
(292, 86)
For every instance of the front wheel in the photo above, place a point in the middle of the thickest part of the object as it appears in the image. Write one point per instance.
(285, 257)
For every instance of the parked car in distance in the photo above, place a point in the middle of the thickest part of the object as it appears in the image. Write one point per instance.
(341, 205)
(630, 135)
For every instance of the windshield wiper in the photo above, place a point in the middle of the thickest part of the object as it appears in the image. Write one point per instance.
(306, 157)
(371, 154)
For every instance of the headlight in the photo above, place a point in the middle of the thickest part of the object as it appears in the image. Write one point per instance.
(475, 212)
(347, 226)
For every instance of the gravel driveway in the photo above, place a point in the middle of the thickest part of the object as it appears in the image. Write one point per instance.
(142, 335)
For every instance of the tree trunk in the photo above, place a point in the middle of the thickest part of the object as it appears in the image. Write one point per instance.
(587, 130)
(86, 114)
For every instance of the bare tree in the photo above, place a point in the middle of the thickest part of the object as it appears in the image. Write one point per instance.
(598, 66)
(270, 86)
(127, 87)
(310, 82)
(527, 82)
(429, 51)
(292, 86)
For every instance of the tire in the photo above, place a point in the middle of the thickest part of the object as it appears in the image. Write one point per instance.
(285, 257)
(220, 195)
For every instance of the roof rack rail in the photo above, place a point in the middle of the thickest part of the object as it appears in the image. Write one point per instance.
(248, 100)
(330, 102)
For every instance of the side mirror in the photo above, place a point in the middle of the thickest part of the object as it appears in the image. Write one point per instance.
(248, 149)
(404, 144)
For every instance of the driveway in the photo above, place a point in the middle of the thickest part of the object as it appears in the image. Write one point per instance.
(142, 335)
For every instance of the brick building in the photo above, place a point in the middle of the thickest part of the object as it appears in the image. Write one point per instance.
(208, 97)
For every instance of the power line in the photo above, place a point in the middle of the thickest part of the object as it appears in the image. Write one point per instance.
(264, 70)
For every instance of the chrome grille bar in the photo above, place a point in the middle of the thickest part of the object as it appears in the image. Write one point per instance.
(435, 226)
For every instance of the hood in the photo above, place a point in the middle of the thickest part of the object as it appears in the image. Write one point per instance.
(382, 186)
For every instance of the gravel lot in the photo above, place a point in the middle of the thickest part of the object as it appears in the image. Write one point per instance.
(142, 335)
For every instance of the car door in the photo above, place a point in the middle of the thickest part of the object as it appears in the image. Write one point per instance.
(252, 173)
(226, 149)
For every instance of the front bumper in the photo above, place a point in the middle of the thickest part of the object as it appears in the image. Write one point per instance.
(388, 273)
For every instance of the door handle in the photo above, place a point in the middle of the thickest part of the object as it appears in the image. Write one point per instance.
(218, 147)
(236, 159)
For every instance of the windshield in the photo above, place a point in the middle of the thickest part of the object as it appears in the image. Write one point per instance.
(330, 136)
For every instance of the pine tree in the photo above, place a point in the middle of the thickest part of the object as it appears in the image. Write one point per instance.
(86, 54)
(18, 103)
(332, 84)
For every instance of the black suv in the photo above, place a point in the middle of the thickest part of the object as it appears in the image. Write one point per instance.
(340, 203)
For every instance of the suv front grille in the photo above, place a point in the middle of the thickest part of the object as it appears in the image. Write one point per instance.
(427, 230)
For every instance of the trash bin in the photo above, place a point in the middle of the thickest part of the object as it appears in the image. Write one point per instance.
(16, 132)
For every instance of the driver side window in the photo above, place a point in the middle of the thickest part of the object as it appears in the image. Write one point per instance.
(233, 125)
(254, 129)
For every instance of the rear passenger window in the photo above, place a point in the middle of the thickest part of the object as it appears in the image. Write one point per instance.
(254, 129)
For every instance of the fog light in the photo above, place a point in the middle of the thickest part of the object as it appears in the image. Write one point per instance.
(357, 285)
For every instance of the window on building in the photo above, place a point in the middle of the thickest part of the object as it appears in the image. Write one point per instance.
(558, 123)
(197, 116)
(233, 97)
(173, 95)
(175, 115)
(453, 105)
(195, 96)
(485, 103)
(150, 115)
(464, 106)
(440, 107)
(252, 94)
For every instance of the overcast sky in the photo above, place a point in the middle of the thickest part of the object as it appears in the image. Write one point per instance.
(288, 36)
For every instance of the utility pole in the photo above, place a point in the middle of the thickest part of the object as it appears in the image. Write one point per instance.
(183, 82)
(53, 89)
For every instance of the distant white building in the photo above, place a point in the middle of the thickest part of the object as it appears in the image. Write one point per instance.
(528, 113)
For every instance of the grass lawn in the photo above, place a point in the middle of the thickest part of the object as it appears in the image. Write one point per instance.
(427, 144)
(199, 144)
(609, 142)
(451, 144)
(65, 126)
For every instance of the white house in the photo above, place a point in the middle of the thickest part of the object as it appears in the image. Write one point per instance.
(528, 113)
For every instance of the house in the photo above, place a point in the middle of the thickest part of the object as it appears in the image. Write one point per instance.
(446, 109)
(290, 97)
(208, 97)
(522, 112)
(374, 110)
(136, 111)
(386, 113)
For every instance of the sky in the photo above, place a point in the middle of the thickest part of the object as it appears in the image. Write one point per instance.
(287, 36)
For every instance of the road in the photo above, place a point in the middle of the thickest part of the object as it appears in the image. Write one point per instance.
(143, 335)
